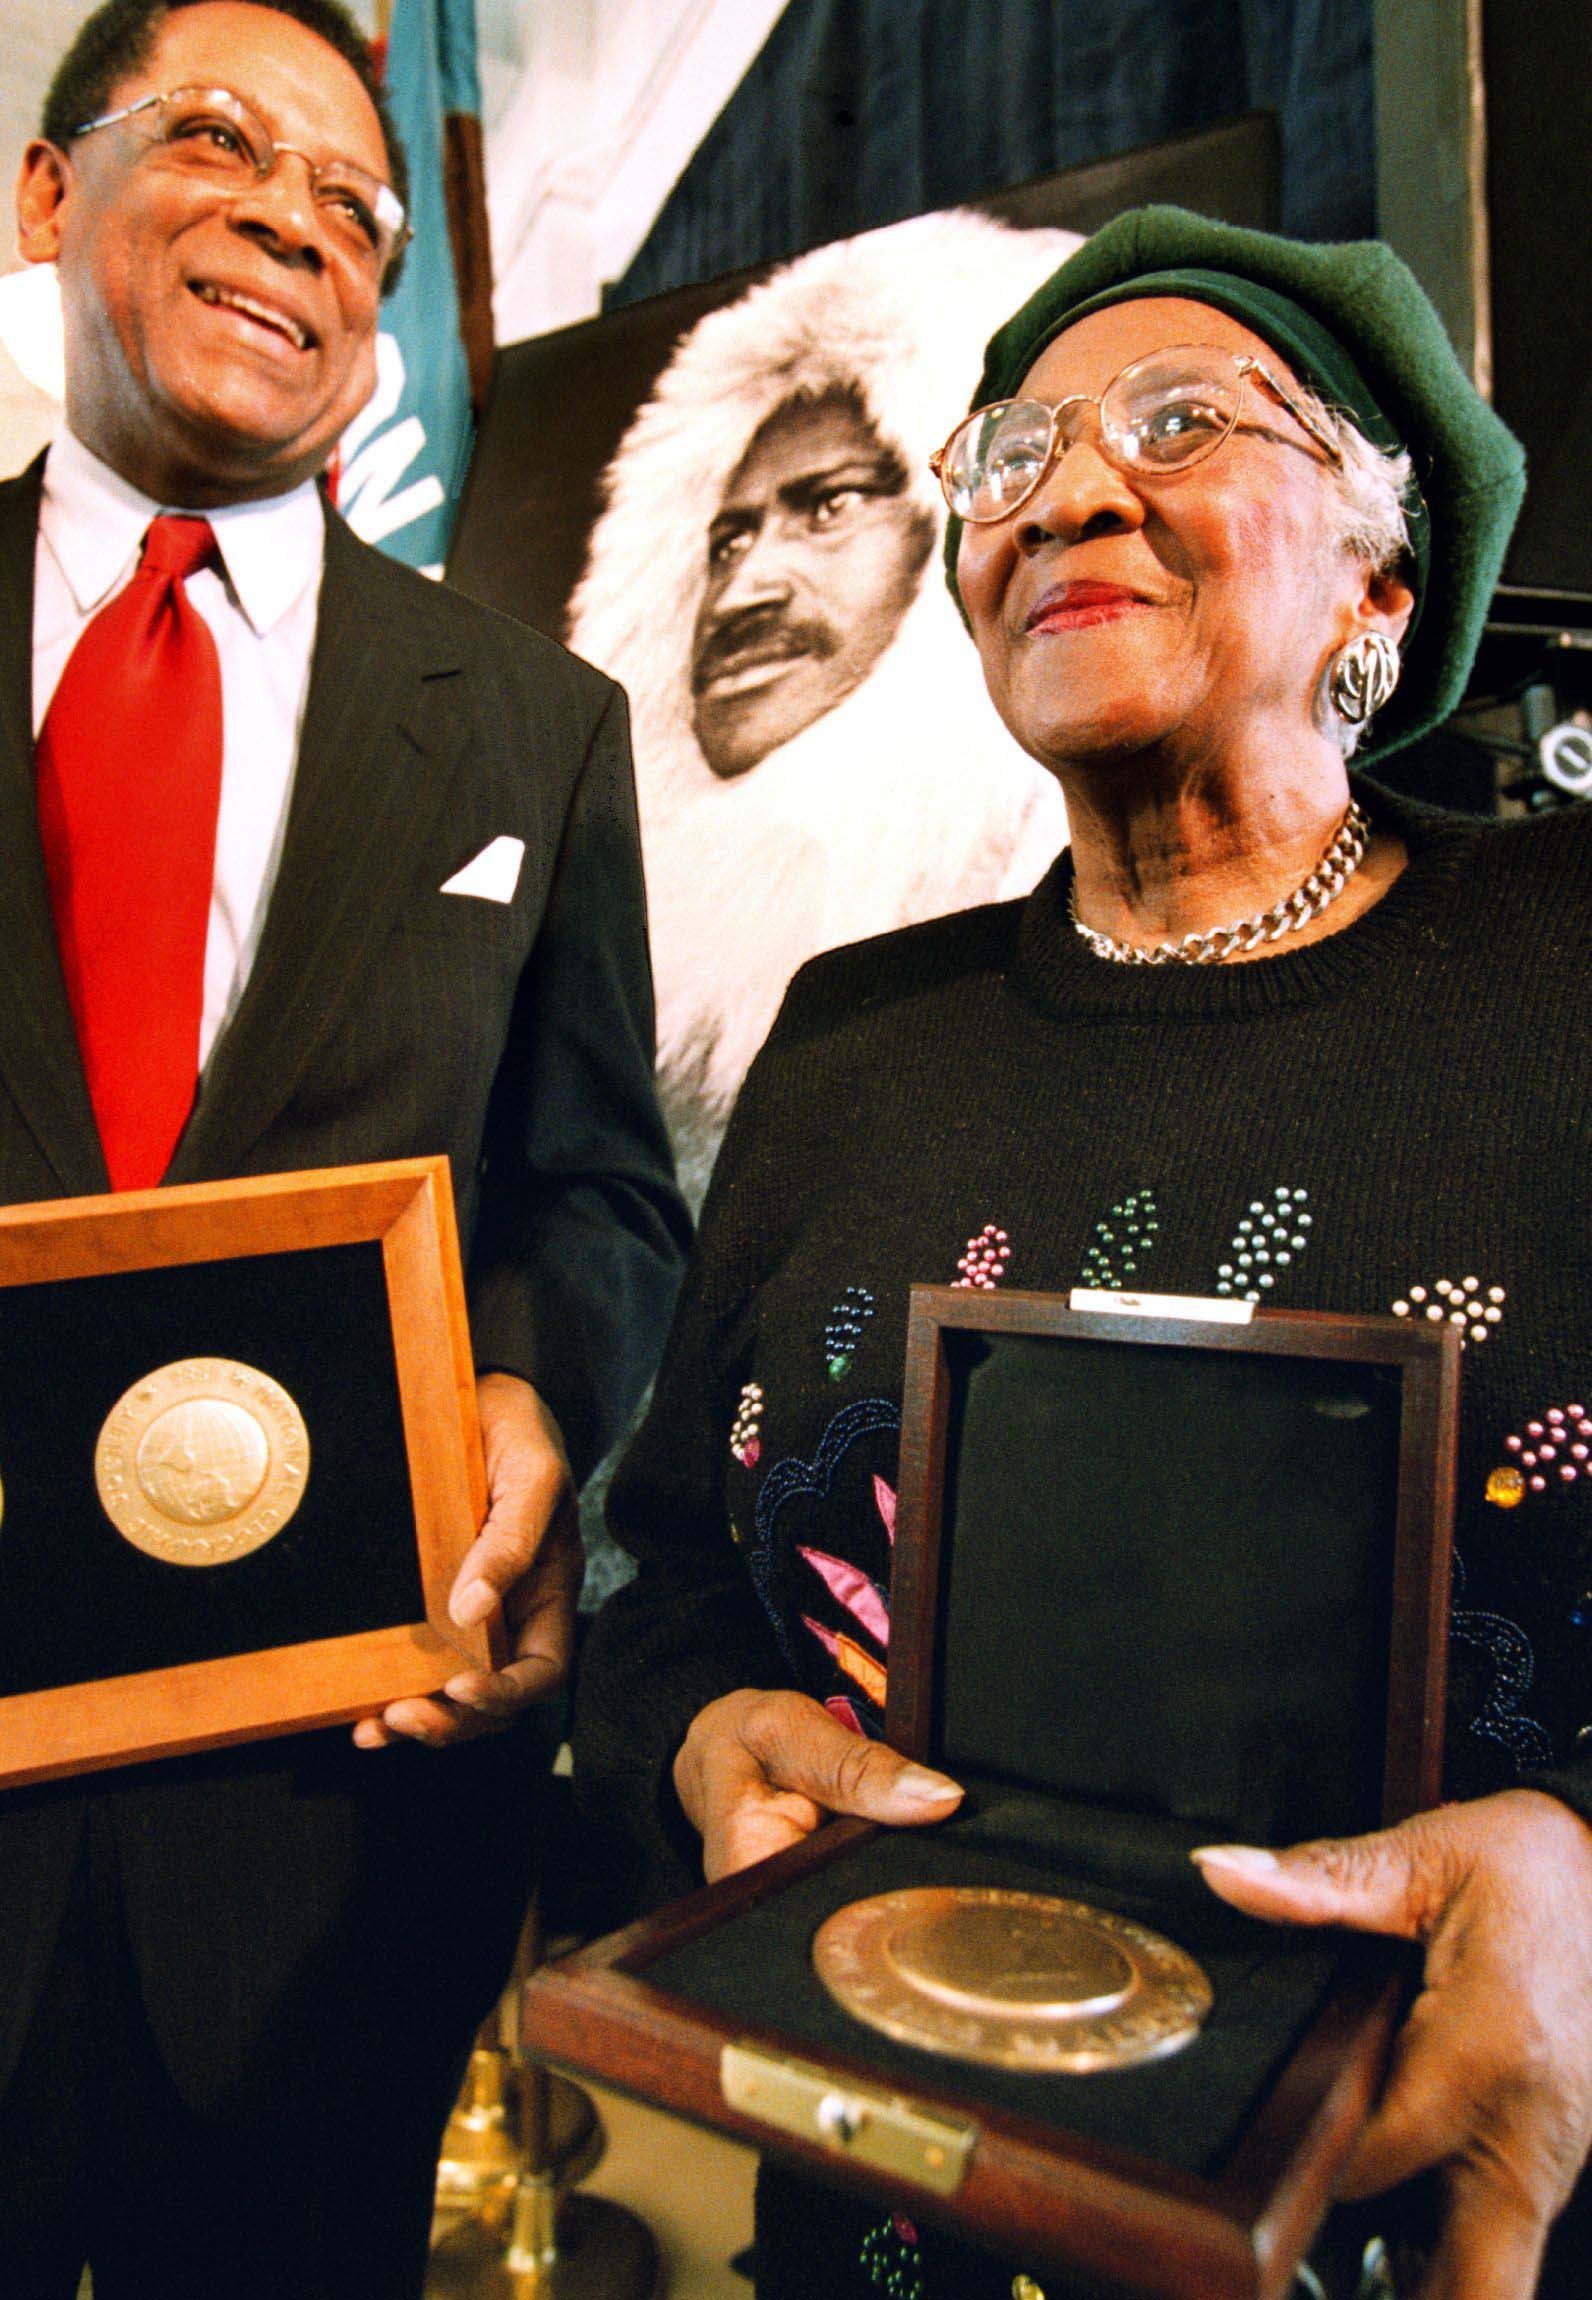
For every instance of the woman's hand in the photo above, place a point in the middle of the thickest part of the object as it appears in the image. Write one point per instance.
(759, 1771)
(1491, 2080)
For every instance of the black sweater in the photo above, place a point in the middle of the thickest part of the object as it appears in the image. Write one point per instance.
(1394, 1115)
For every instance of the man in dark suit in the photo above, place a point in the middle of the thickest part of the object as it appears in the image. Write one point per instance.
(235, 1989)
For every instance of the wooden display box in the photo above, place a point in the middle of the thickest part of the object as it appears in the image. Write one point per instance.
(351, 1505)
(1158, 1582)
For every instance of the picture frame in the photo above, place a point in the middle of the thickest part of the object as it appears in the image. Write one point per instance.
(339, 1289)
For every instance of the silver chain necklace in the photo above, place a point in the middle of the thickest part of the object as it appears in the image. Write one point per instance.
(1324, 885)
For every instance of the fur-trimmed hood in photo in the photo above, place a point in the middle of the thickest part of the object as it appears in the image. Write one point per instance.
(905, 801)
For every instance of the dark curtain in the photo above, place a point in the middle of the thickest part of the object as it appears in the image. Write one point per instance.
(860, 112)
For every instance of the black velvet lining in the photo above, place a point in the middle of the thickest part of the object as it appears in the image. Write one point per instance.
(77, 1602)
(1167, 1579)
(1188, 2111)
(1165, 1596)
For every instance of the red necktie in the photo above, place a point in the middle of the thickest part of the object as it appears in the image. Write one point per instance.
(129, 784)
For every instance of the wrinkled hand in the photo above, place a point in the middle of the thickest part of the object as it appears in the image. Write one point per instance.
(1491, 2080)
(526, 1560)
(759, 1771)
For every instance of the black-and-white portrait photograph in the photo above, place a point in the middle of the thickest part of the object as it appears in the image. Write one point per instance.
(816, 758)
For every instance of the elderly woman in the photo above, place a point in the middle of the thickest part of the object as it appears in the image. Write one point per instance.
(1225, 508)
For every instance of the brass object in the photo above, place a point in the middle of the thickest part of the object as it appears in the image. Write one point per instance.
(1024, 2288)
(202, 1461)
(484, 2146)
(481, 2154)
(877, 2128)
(584, 2248)
(532, 2255)
(1011, 1979)
(518, 2138)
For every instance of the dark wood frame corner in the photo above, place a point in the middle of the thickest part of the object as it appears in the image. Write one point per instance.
(407, 1206)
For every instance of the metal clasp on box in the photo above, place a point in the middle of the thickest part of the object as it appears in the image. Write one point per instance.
(878, 2129)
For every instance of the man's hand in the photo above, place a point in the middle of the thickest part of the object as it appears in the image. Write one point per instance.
(1491, 2081)
(759, 1771)
(526, 1559)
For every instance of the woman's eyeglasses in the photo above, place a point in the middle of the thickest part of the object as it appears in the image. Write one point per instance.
(1162, 414)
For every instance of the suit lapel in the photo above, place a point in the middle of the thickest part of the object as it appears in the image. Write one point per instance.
(375, 759)
(39, 1058)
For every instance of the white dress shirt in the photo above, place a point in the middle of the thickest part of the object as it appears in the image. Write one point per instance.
(262, 613)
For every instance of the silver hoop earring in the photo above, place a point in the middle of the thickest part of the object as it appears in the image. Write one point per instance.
(1362, 676)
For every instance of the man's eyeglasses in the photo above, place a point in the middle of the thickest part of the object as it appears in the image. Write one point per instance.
(212, 135)
(1160, 415)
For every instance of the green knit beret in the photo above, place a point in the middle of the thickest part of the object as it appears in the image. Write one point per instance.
(1352, 322)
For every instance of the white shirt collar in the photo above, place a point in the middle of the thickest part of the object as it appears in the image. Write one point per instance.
(93, 521)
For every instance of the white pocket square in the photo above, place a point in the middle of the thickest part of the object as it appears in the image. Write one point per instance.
(493, 874)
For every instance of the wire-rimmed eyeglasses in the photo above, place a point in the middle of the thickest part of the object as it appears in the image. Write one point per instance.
(211, 134)
(1160, 415)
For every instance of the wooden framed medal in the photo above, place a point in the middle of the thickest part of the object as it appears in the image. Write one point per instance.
(240, 1462)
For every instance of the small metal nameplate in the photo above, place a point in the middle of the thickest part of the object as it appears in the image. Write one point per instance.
(1212, 1309)
(879, 2129)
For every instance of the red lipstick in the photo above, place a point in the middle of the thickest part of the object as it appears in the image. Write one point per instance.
(1078, 606)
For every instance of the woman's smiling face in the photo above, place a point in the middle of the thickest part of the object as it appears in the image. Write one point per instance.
(1116, 612)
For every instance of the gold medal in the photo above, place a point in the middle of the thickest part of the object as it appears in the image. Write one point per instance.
(1015, 1980)
(202, 1461)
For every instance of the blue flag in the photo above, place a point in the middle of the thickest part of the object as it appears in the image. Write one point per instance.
(404, 459)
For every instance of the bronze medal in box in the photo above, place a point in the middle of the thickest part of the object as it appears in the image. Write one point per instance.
(1019, 1980)
(240, 1460)
(1034, 2023)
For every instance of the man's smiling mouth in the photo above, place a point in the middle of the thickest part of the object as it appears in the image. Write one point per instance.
(265, 315)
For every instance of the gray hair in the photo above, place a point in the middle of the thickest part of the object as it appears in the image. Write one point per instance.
(1370, 485)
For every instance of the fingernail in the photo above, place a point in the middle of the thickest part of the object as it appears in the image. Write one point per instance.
(1249, 1860)
(473, 1603)
(921, 1787)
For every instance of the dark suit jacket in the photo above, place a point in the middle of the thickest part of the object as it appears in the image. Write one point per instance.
(381, 1019)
